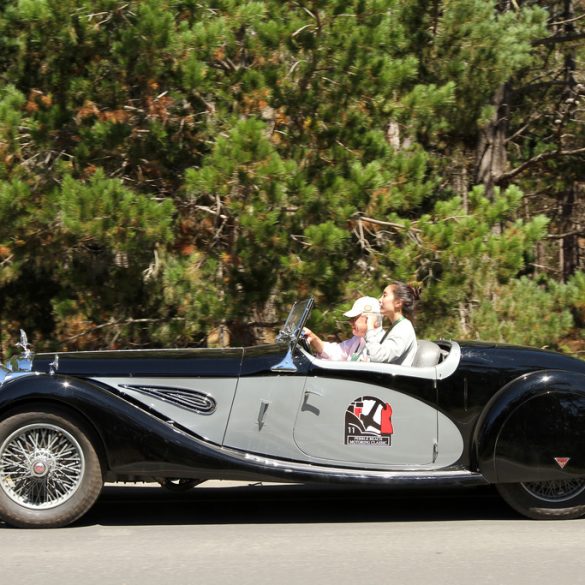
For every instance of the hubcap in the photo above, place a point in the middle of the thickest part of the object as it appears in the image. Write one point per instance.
(41, 466)
(558, 490)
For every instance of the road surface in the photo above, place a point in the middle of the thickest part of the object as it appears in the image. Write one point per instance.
(242, 534)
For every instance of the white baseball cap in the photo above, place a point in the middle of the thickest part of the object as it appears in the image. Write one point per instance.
(363, 305)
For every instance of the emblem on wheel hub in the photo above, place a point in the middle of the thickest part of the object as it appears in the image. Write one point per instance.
(39, 468)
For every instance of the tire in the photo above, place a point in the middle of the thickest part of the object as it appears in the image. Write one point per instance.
(179, 485)
(546, 500)
(50, 473)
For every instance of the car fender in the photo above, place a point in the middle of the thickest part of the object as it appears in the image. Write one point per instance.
(117, 426)
(533, 429)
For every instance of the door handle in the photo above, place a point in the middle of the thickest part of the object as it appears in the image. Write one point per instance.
(264, 404)
(307, 392)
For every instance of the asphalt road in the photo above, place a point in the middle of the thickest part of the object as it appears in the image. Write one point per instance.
(241, 534)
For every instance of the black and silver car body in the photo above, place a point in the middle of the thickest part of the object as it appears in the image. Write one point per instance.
(464, 414)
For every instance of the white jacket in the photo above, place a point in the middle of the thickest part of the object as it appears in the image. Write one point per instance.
(399, 346)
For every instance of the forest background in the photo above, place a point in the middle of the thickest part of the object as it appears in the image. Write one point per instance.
(177, 173)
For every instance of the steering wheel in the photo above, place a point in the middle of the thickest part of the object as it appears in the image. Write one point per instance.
(304, 344)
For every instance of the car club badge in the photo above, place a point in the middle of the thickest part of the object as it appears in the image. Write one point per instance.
(368, 421)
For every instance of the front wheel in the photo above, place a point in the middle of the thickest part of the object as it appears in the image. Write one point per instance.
(546, 500)
(50, 473)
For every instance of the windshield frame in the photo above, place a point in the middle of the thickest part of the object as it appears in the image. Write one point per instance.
(295, 321)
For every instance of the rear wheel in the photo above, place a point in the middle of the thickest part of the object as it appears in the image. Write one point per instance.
(546, 500)
(50, 473)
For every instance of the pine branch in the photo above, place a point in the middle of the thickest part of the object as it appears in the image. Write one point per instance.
(7, 260)
(211, 211)
(565, 235)
(536, 160)
(568, 21)
(532, 118)
(363, 218)
(559, 39)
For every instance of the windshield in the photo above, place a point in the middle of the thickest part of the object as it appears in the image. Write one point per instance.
(296, 320)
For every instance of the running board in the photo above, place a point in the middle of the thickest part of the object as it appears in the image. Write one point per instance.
(216, 459)
(399, 479)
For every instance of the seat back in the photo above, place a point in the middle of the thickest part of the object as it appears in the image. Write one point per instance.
(428, 354)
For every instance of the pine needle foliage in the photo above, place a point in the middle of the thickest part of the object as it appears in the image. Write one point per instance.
(177, 172)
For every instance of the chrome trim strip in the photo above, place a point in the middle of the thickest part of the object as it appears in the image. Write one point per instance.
(193, 400)
(419, 475)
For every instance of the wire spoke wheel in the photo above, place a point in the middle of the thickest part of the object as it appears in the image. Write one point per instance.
(50, 472)
(41, 466)
(555, 490)
(558, 499)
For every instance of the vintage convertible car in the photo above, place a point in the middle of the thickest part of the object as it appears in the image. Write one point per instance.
(465, 414)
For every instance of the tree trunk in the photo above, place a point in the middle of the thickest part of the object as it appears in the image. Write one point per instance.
(569, 261)
(568, 221)
(459, 176)
(491, 153)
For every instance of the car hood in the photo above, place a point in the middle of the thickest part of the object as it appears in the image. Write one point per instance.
(207, 362)
(170, 362)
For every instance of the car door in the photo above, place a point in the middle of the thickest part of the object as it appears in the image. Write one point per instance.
(369, 415)
(263, 415)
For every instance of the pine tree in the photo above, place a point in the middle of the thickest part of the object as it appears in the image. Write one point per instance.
(176, 173)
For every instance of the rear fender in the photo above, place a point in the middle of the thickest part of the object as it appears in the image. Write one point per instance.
(533, 429)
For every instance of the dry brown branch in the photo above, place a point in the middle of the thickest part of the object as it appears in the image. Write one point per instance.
(544, 156)
(531, 119)
(120, 322)
(7, 260)
(211, 211)
(559, 39)
(568, 21)
(565, 235)
(363, 218)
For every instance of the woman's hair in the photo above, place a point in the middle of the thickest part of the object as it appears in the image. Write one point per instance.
(407, 294)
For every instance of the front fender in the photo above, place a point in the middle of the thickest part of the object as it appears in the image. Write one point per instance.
(533, 429)
(118, 425)
(135, 441)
